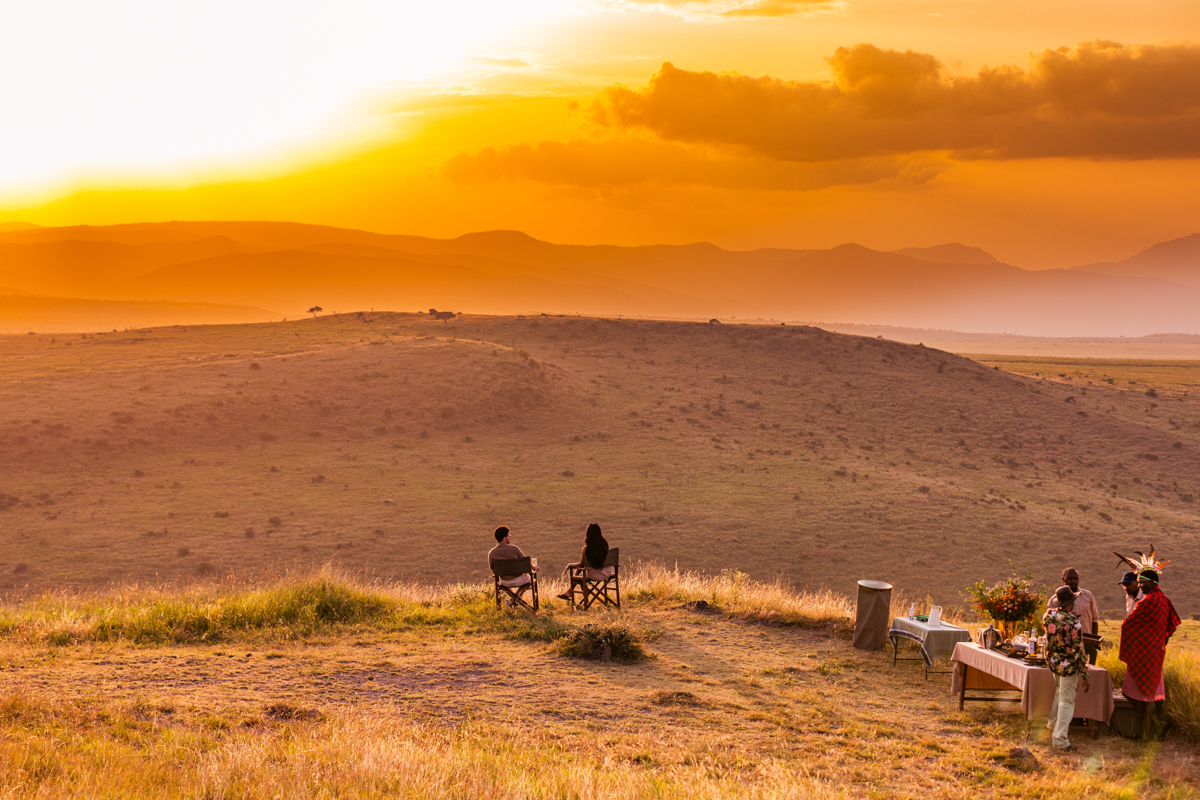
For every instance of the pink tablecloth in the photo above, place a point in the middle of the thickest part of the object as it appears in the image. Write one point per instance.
(985, 669)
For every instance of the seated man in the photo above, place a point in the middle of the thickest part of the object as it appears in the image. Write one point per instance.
(503, 550)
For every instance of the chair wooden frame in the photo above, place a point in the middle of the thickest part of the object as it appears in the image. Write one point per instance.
(607, 591)
(508, 568)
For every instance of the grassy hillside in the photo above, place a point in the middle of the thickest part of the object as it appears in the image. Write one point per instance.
(394, 444)
(320, 686)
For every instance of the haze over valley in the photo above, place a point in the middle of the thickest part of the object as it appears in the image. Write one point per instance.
(272, 270)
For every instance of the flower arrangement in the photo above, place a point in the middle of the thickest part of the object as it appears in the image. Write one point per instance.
(1011, 600)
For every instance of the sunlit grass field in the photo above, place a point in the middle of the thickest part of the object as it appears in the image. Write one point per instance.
(1173, 377)
(323, 685)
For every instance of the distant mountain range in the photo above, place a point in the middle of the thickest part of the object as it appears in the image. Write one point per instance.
(1177, 261)
(290, 267)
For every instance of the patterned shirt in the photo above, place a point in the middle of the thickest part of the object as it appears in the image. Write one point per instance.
(1064, 644)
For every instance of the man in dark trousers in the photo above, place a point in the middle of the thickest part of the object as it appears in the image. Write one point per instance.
(1144, 636)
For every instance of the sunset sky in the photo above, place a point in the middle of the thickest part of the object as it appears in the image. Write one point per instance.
(1048, 133)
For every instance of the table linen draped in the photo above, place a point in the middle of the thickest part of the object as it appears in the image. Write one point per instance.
(937, 641)
(992, 670)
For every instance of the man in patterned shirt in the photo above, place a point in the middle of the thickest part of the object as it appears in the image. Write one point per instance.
(1066, 658)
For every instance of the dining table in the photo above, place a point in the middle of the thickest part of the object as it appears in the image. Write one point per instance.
(983, 670)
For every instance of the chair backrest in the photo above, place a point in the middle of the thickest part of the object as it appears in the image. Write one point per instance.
(511, 567)
(613, 559)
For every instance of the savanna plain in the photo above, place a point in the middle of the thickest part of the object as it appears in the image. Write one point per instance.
(249, 560)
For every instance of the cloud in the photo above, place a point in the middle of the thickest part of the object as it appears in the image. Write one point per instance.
(726, 9)
(511, 62)
(1098, 100)
(627, 163)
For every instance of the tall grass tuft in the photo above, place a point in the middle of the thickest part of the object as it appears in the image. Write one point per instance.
(1181, 674)
(295, 606)
(735, 593)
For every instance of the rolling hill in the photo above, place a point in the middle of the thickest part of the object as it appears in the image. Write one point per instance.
(395, 443)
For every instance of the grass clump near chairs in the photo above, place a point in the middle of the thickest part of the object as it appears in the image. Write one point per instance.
(605, 642)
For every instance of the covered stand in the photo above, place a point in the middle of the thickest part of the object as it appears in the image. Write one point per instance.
(874, 612)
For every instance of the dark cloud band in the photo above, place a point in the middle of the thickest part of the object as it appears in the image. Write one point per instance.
(1097, 100)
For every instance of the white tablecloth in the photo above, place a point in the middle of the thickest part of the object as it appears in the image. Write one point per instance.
(937, 641)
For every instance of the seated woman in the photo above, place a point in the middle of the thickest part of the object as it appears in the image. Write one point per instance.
(595, 552)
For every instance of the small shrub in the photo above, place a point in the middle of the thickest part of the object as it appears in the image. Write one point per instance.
(221, 514)
(255, 365)
(183, 552)
(274, 522)
(249, 533)
(615, 641)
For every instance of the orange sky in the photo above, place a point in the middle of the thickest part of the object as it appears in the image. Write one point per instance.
(1047, 135)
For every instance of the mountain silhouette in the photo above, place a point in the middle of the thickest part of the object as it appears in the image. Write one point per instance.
(1177, 260)
(290, 266)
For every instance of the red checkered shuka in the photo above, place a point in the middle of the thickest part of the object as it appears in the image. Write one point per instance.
(1144, 635)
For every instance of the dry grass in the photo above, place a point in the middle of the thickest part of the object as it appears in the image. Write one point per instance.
(107, 749)
(755, 699)
(1133, 374)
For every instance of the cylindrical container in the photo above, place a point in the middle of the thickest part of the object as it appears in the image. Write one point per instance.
(874, 613)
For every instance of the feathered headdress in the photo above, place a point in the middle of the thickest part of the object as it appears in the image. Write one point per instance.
(1143, 561)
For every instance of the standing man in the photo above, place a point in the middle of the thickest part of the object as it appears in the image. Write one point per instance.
(1144, 636)
(1085, 608)
(1066, 659)
(1133, 592)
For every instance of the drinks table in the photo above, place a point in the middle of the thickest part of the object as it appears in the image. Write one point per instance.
(986, 670)
(937, 641)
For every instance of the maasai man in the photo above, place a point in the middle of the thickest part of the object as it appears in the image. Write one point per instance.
(1144, 635)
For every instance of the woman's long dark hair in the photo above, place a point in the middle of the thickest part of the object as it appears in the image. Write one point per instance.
(595, 547)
